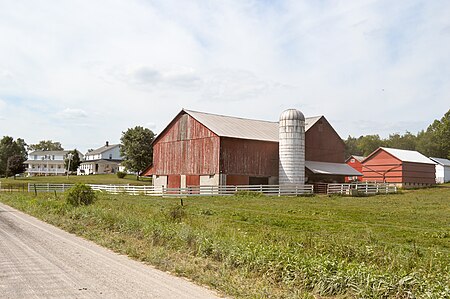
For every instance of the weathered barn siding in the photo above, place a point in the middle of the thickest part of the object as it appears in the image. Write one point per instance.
(322, 143)
(249, 157)
(186, 147)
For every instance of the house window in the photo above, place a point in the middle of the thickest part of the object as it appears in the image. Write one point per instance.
(59, 166)
(53, 157)
(110, 156)
(51, 167)
(35, 157)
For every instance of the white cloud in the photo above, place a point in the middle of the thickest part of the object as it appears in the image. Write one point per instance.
(72, 114)
(138, 62)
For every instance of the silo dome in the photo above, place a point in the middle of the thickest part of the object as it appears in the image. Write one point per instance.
(292, 148)
(292, 114)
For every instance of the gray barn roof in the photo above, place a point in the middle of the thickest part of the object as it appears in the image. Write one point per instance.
(242, 128)
(441, 161)
(408, 156)
(331, 168)
(102, 149)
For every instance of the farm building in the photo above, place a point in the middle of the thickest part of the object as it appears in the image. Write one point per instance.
(355, 162)
(199, 148)
(442, 170)
(404, 167)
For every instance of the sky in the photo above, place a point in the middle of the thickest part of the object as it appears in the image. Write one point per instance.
(82, 72)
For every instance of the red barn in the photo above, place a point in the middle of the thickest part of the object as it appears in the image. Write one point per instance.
(199, 148)
(355, 162)
(406, 168)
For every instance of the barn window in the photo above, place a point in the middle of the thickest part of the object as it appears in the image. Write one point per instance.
(352, 161)
(211, 176)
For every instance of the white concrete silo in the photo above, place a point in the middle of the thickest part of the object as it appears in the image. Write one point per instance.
(292, 148)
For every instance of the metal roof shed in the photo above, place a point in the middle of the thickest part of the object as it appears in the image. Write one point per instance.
(442, 170)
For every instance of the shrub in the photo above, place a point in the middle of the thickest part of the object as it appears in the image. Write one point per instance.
(80, 194)
(176, 213)
(243, 193)
(121, 174)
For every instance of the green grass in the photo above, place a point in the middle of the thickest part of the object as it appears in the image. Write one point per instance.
(386, 246)
(87, 179)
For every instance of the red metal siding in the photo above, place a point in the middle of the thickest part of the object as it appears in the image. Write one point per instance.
(355, 164)
(382, 167)
(396, 171)
(186, 147)
(419, 173)
(248, 157)
(322, 143)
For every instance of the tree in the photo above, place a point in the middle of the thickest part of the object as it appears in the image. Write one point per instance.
(15, 165)
(367, 144)
(136, 148)
(8, 149)
(46, 145)
(351, 147)
(75, 161)
(407, 141)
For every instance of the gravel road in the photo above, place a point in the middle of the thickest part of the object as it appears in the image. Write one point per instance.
(38, 260)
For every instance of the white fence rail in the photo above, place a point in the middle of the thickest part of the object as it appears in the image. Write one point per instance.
(361, 188)
(273, 190)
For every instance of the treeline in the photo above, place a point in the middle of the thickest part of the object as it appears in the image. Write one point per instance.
(432, 142)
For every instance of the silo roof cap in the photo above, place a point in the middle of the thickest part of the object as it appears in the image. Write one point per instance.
(292, 114)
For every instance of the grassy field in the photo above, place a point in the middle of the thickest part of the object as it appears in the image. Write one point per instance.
(392, 246)
(87, 179)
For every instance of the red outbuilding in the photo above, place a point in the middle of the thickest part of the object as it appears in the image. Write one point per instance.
(355, 162)
(406, 168)
(199, 148)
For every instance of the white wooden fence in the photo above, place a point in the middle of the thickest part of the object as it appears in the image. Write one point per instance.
(273, 190)
(361, 188)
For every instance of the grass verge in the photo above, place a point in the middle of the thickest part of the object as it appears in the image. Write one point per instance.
(393, 246)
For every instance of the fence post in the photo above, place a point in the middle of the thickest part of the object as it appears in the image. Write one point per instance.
(35, 190)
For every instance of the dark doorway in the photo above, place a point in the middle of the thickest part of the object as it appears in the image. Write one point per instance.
(258, 180)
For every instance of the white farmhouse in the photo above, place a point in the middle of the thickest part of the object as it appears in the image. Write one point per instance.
(103, 160)
(442, 170)
(47, 162)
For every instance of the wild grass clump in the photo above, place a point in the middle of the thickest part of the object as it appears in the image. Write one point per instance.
(244, 193)
(80, 194)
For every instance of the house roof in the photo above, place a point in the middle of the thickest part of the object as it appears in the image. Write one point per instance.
(404, 155)
(359, 158)
(102, 149)
(102, 161)
(331, 168)
(242, 128)
(441, 161)
(56, 153)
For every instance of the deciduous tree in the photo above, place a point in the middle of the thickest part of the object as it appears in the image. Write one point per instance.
(136, 148)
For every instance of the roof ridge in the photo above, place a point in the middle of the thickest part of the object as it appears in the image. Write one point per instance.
(243, 118)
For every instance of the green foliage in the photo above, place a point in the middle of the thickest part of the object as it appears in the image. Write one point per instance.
(8, 149)
(176, 213)
(74, 162)
(80, 194)
(121, 174)
(433, 142)
(15, 165)
(248, 194)
(46, 145)
(137, 148)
